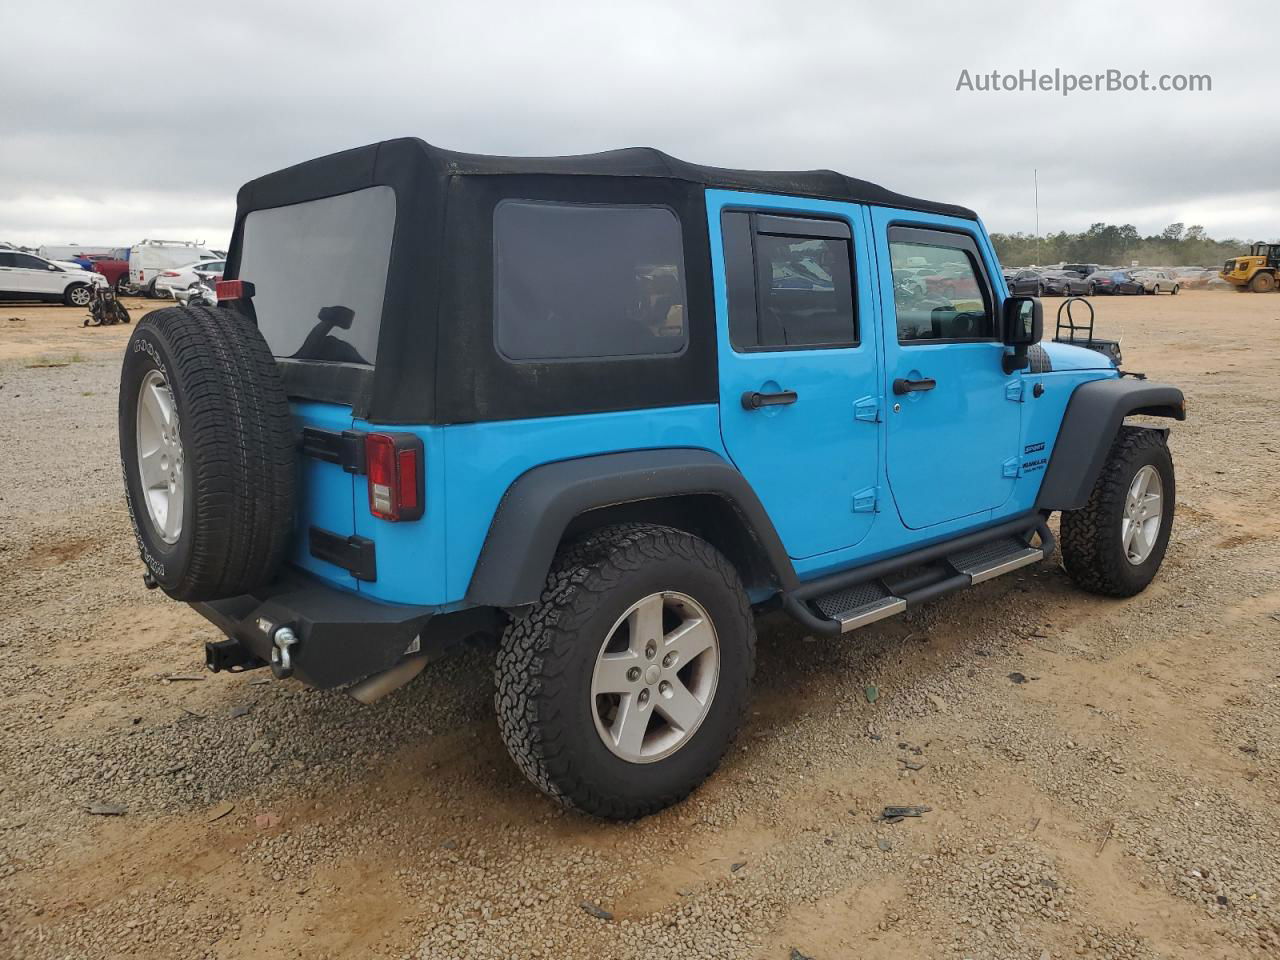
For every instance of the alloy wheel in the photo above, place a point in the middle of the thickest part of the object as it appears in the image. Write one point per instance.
(655, 677)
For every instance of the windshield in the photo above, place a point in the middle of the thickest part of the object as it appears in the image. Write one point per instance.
(319, 271)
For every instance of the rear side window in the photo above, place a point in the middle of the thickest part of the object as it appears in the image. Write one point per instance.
(790, 282)
(577, 281)
(319, 270)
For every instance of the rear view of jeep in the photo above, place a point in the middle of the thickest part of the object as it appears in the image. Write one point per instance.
(606, 408)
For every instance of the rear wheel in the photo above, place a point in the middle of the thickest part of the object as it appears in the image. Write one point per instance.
(1262, 283)
(1174, 291)
(207, 449)
(621, 690)
(77, 295)
(1115, 544)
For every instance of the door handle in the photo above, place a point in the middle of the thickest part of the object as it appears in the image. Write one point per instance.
(903, 385)
(754, 399)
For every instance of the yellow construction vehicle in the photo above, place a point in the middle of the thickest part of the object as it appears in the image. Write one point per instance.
(1258, 272)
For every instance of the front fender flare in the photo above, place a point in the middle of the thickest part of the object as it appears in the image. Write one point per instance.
(1090, 424)
(540, 504)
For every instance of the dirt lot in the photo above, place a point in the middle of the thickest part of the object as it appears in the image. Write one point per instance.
(1103, 776)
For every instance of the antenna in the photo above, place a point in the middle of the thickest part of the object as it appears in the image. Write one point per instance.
(1035, 173)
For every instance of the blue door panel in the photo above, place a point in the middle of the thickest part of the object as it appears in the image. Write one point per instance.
(814, 464)
(324, 493)
(952, 452)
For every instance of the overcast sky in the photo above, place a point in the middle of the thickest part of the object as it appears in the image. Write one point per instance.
(141, 119)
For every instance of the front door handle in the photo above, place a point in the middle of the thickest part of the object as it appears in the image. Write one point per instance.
(903, 385)
(754, 399)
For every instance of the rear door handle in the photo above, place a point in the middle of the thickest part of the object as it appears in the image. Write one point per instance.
(754, 399)
(903, 385)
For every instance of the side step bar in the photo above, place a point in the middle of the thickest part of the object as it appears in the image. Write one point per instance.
(855, 598)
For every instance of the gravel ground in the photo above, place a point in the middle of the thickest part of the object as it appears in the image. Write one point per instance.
(1119, 801)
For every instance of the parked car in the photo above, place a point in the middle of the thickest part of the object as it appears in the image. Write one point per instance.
(1157, 281)
(1028, 282)
(1115, 282)
(1064, 283)
(600, 365)
(24, 276)
(114, 266)
(1081, 269)
(151, 258)
(179, 278)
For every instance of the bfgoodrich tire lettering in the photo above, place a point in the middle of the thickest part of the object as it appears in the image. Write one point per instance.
(237, 445)
(1092, 548)
(546, 659)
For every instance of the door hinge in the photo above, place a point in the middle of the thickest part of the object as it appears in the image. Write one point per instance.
(865, 501)
(1013, 391)
(1010, 468)
(867, 409)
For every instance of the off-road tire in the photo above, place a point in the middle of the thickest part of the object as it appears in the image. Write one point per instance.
(1092, 551)
(546, 657)
(1262, 283)
(77, 295)
(238, 446)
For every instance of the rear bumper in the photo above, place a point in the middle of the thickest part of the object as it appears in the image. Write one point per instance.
(342, 637)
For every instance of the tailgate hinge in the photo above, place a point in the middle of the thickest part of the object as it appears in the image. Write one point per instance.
(345, 448)
(867, 409)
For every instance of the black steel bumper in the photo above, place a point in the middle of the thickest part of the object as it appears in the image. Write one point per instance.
(341, 637)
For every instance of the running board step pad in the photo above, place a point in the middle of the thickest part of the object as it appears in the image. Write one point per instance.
(860, 605)
(865, 603)
(994, 559)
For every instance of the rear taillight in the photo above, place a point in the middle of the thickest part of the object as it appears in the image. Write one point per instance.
(394, 464)
(233, 290)
(170, 273)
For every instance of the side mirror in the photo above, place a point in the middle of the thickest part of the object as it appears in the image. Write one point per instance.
(1022, 325)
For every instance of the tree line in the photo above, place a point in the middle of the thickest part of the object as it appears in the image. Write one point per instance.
(1177, 245)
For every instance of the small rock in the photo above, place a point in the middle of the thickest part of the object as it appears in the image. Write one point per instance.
(884, 843)
(239, 710)
(734, 868)
(598, 912)
(872, 692)
(108, 809)
(1018, 677)
(797, 955)
(220, 811)
(936, 701)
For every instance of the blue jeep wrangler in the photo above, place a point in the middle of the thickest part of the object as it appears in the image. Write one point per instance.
(609, 407)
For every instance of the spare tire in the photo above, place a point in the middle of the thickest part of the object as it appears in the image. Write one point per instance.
(207, 447)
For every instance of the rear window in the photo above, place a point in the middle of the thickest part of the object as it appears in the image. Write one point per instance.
(319, 271)
(576, 281)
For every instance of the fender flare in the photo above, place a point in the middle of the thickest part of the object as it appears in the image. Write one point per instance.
(540, 504)
(1090, 424)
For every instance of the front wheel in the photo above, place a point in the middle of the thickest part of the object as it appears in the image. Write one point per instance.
(1114, 545)
(620, 691)
(77, 295)
(1174, 291)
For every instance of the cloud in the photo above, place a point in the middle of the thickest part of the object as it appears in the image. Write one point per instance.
(193, 104)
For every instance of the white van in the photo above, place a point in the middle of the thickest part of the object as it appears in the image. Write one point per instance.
(150, 258)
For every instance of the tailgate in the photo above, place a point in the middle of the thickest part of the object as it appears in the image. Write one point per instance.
(326, 499)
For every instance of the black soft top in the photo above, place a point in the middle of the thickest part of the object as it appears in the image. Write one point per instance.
(436, 361)
(631, 162)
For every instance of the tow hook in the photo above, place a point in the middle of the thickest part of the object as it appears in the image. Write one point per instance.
(281, 660)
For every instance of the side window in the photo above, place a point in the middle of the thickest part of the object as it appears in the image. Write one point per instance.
(790, 282)
(7, 260)
(28, 262)
(577, 281)
(940, 292)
